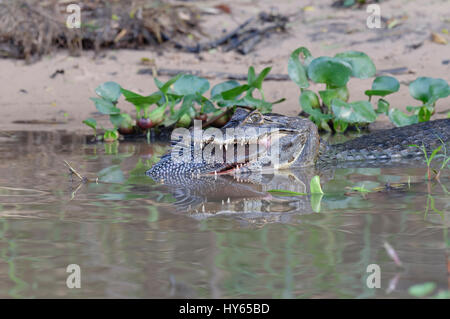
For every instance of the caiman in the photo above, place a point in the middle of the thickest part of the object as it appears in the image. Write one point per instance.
(298, 144)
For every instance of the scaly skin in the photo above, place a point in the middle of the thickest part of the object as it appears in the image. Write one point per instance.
(300, 146)
(390, 144)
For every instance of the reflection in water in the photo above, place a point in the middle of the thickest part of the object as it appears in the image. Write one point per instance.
(214, 238)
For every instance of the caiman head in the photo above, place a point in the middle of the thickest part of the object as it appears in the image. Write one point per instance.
(250, 141)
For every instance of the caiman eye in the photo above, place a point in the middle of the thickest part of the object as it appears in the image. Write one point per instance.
(254, 117)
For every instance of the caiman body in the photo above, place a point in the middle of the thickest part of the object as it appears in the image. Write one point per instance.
(299, 145)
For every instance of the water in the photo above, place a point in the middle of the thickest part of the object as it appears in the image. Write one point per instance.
(133, 238)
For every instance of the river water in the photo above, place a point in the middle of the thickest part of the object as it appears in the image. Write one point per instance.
(133, 238)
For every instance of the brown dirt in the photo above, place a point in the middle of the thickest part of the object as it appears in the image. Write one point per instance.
(27, 93)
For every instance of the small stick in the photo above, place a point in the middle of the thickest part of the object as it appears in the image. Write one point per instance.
(82, 178)
(209, 75)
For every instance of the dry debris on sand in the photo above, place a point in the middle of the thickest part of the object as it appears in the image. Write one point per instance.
(29, 29)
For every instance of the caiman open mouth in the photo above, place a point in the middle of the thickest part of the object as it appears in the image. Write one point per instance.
(247, 153)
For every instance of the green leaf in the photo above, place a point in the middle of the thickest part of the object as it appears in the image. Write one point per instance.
(234, 92)
(316, 199)
(141, 101)
(158, 83)
(310, 104)
(187, 107)
(383, 85)
(383, 107)
(339, 93)
(222, 87)
(190, 84)
(309, 99)
(401, 119)
(207, 105)
(360, 189)
(435, 151)
(263, 106)
(362, 65)
(424, 114)
(282, 192)
(251, 77)
(92, 123)
(355, 112)
(110, 91)
(427, 89)
(421, 290)
(258, 81)
(105, 106)
(340, 126)
(297, 70)
(332, 71)
(315, 185)
(110, 135)
(121, 120)
(166, 86)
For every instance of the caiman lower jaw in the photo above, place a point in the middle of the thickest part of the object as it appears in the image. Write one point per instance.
(229, 169)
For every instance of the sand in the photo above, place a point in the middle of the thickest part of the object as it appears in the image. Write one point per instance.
(28, 93)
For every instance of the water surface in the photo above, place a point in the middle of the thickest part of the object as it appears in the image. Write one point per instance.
(133, 238)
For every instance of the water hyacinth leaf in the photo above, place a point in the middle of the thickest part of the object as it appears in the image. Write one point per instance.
(207, 105)
(166, 86)
(139, 100)
(426, 89)
(109, 91)
(309, 99)
(110, 135)
(362, 65)
(190, 84)
(121, 120)
(222, 87)
(260, 78)
(297, 70)
(422, 290)
(355, 112)
(339, 93)
(263, 106)
(332, 71)
(383, 85)
(251, 76)
(104, 106)
(340, 126)
(92, 123)
(234, 92)
(187, 107)
(383, 107)
(310, 104)
(424, 114)
(401, 119)
(158, 83)
(314, 186)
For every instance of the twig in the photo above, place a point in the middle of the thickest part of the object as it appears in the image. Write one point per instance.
(210, 75)
(83, 179)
